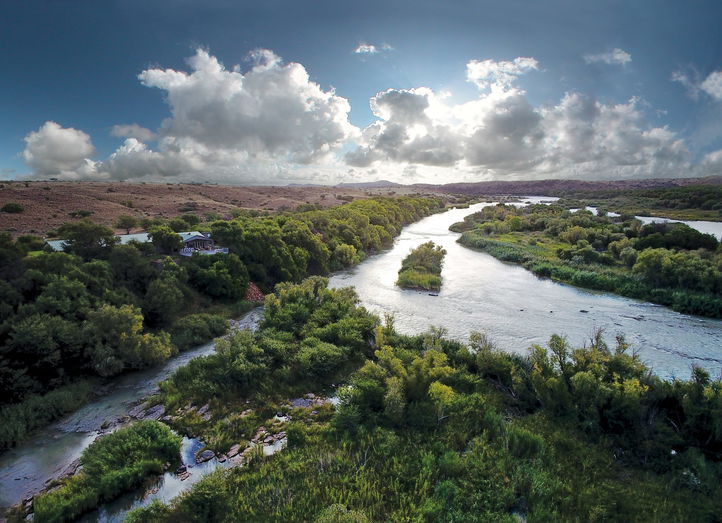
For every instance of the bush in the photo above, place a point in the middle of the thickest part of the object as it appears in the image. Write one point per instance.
(111, 465)
(12, 208)
(197, 329)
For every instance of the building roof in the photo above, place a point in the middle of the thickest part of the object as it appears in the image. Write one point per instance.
(192, 235)
(142, 237)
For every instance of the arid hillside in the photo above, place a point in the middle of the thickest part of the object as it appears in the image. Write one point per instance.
(47, 205)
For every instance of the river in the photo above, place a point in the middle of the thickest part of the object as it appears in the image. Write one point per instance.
(518, 309)
(25, 468)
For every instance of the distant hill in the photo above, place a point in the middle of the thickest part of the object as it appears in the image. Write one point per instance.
(562, 187)
(369, 185)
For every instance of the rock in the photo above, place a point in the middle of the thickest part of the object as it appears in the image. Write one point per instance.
(154, 412)
(137, 412)
(268, 439)
(206, 416)
(310, 395)
(314, 412)
(235, 449)
(167, 418)
(203, 409)
(582, 310)
(204, 456)
(300, 403)
(222, 458)
(106, 424)
(184, 476)
(181, 469)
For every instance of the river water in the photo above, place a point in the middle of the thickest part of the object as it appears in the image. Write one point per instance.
(518, 309)
(25, 468)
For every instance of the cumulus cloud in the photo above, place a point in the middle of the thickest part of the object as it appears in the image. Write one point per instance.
(242, 127)
(501, 134)
(614, 57)
(500, 75)
(55, 151)
(133, 131)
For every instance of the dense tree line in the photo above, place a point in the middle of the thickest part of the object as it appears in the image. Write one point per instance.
(100, 308)
(433, 429)
(667, 263)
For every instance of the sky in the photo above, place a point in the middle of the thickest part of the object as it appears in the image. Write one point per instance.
(280, 92)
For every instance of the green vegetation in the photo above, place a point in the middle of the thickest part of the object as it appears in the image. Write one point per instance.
(421, 269)
(110, 466)
(693, 202)
(99, 308)
(20, 419)
(666, 263)
(12, 208)
(430, 429)
(127, 222)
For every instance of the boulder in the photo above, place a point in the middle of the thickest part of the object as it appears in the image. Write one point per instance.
(235, 449)
(204, 456)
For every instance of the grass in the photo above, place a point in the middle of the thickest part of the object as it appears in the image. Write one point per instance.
(20, 419)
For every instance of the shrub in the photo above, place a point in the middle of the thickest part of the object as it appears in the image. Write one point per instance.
(111, 465)
(12, 208)
(197, 329)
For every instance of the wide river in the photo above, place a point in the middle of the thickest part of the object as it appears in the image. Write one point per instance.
(518, 309)
(479, 293)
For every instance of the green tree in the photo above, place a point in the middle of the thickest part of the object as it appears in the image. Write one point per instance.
(87, 239)
(126, 222)
(165, 239)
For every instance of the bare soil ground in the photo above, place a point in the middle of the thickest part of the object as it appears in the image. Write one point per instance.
(47, 205)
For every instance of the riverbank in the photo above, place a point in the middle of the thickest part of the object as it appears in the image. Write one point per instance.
(668, 264)
(518, 309)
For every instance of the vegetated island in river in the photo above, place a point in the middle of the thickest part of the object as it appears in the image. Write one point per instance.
(670, 264)
(421, 269)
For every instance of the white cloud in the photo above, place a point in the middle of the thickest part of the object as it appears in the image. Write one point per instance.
(366, 49)
(500, 134)
(55, 151)
(614, 57)
(500, 75)
(133, 131)
(226, 125)
(272, 109)
(712, 85)
(712, 163)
